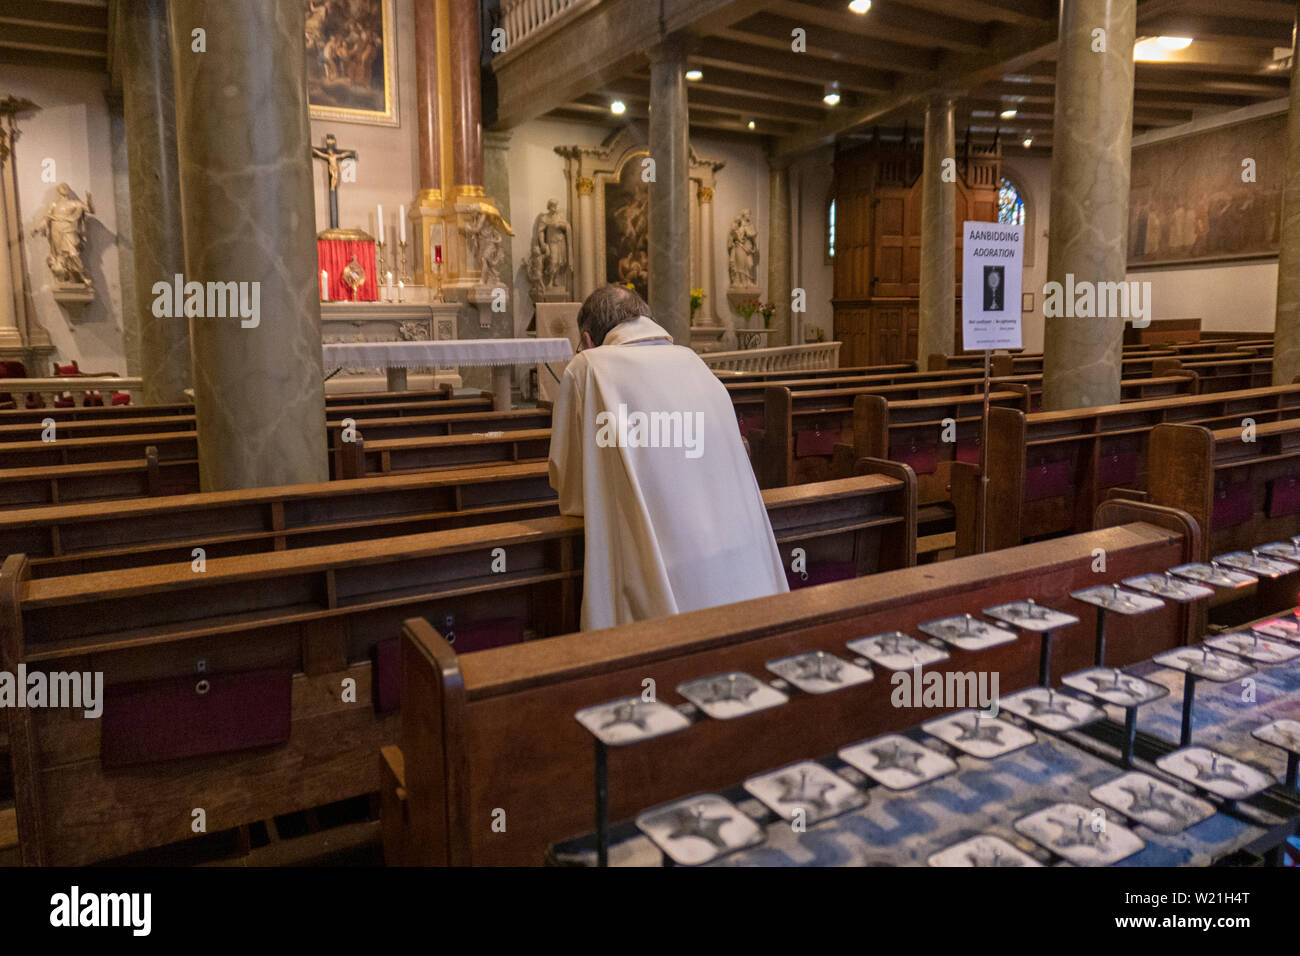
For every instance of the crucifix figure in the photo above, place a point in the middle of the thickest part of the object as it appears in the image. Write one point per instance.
(331, 154)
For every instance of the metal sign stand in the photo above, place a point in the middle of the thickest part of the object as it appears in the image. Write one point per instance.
(984, 462)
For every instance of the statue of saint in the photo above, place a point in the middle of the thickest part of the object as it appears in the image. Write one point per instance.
(549, 261)
(742, 249)
(483, 236)
(64, 225)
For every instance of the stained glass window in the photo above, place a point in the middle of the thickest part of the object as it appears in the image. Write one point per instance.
(1011, 206)
(830, 231)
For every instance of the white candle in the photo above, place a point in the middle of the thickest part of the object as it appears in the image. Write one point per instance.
(381, 223)
(401, 223)
(390, 285)
(324, 286)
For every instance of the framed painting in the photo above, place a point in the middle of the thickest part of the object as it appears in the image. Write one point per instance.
(1209, 196)
(351, 61)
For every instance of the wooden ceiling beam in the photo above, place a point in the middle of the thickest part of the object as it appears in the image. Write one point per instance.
(773, 32)
(732, 82)
(886, 22)
(801, 67)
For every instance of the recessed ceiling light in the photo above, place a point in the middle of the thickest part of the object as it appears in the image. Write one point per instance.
(1159, 48)
(694, 75)
(751, 124)
(860, 6)
(1008, 114)
(832, 94)
(1174, 43)
(618, 107)
(1029, 141)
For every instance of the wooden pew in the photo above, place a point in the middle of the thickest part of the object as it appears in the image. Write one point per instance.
(393, 456)
(367, 404)
(1242, 492)
(295, 626)
(802, 429)
(34, 474)
(1048, 471)
(494, 731)
(77, 539)
(1234, 371)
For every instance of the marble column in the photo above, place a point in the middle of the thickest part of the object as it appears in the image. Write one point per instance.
(426, 97)
(243, 148)
(1286, 335)
(586, 278)
(148, 101)
(10, 337)
(466, 108)
(1091, 137)
(708, 270)
(496, 182)
(778, 253)
(670, 217)
(125, 238)
(938, 301)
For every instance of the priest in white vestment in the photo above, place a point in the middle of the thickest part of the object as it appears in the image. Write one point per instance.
(645, 445)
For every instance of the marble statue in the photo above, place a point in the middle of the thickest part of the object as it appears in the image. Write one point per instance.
(551, 254)
(64, 226)
(742, 251)
(483, 237)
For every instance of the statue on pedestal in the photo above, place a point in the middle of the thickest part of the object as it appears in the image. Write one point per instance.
(64, 226)
(484, 241)
(549, 262)
(742, 251)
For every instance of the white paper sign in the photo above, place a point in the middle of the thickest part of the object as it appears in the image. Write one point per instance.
(992, 258)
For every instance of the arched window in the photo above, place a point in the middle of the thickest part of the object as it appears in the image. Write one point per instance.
(830, 232)
(1011, 205)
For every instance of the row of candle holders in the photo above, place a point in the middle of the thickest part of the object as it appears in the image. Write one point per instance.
(701, 828)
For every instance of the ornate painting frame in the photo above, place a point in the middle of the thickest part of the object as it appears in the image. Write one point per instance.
(316, 38)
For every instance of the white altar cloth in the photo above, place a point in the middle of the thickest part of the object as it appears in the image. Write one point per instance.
(501, 354)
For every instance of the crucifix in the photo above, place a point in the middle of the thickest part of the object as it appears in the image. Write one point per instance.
(331, 154)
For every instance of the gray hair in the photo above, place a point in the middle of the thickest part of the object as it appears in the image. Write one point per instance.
(608, 306)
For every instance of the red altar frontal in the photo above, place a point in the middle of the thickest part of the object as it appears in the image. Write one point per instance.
(334, 256)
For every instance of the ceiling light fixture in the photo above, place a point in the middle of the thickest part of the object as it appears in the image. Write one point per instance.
(695, 75)
(618, 107)
(1156, 49)
(751, 124)
(1008, 114)
(1173, 43)
(832, 95)
(860, 6)
(1029, 141)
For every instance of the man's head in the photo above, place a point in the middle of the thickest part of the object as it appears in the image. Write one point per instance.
(608, 306)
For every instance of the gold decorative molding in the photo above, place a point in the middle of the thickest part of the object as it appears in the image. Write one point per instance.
(476, 192)
(706, 194)
(353, 235)
(586, 186)
(429, 198)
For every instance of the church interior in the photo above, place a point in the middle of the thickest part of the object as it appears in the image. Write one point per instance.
(1004, 296)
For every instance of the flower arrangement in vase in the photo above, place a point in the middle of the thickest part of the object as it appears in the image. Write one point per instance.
(697, 300)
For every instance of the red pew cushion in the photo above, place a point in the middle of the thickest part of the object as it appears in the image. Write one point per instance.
(1283, 496)
(823, 572)
(1117, 469)
(1232, 505)
(1047, 479)
(968, 451)
(386, 676)
(922, 459)
(816, 441)
(192, 716)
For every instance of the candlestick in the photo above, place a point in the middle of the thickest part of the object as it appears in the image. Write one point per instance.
(402, 274)
(390, 285)
(324, 286)
(400, 286)
(379, 266)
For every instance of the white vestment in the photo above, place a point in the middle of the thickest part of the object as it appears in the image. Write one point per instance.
(668, 529)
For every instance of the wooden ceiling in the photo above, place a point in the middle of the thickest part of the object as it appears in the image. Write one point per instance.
(66, 34)
(995, 55)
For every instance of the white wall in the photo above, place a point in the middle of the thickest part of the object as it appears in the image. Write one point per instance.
(72, 129)
(388, 157)
(812, 178)
(537, 175)
(1032, 175)
(1236, 297)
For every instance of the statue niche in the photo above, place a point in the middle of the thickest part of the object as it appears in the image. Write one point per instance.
(627, 229)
